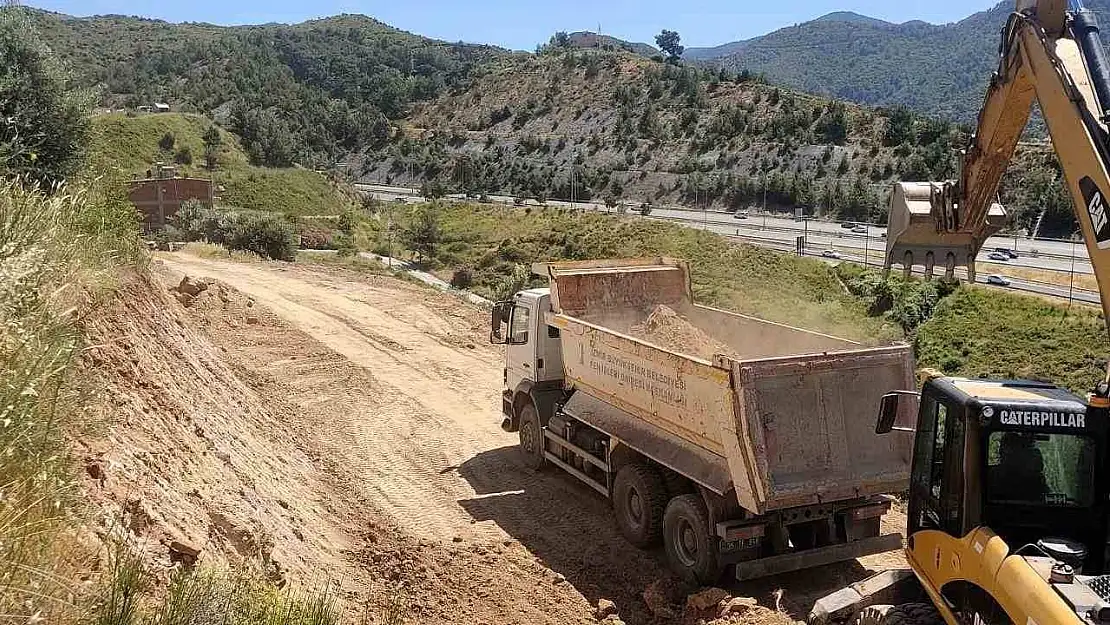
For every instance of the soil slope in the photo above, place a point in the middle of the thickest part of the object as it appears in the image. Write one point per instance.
(328, 423)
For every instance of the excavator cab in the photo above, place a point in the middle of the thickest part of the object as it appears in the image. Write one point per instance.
(1027, 459)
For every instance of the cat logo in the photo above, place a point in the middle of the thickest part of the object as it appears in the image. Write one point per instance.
(1043, 419)
(1096, 209)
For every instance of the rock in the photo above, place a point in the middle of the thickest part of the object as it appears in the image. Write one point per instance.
(736, 605)
(253, 320)
(705, 599)
(612, 619)
(655, 596)
(457, 539)
(96, 470)
(192, 287)
(186, 299)
(559, 578)
(606, 608)
(183, 552)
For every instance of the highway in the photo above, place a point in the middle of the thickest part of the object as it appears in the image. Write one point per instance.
(781, 233)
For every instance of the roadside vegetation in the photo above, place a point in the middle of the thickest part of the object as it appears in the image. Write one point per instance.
(958, 329)
(68, 240)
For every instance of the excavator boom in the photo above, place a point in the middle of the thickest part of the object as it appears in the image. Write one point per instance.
(1050, 52)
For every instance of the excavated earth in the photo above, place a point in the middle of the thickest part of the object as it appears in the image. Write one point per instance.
(333, 426)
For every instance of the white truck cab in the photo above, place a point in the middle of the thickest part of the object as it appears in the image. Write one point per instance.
(533, 354)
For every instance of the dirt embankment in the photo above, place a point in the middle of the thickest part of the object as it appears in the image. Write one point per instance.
(330, 424)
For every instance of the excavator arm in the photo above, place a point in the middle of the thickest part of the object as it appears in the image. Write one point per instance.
(1050, 52)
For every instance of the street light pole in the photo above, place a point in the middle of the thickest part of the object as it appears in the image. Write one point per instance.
(764, 207)
(1071, 280)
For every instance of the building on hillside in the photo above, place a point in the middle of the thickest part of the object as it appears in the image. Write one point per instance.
(160, 195)
(161, 107)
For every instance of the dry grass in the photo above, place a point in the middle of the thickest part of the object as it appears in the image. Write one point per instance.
(1084, 281)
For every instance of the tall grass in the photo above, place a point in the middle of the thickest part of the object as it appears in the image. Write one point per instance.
(55, 252)
(61, 254)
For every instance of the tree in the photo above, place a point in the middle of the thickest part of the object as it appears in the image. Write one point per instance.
(669, 42)
(44, 125)
(433, 189)
(167, 142)
(211, 146)
(423, 234)
(561, 39)
(183, 156)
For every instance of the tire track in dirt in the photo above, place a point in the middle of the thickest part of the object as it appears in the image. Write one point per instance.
(404, 410)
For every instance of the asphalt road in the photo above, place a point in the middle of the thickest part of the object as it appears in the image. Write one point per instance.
(822, 236)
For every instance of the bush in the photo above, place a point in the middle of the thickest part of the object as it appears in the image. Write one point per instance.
(44, 126)
(265, 234)
(317, 237)
(167, 142)
(463, 278)
(184, 156)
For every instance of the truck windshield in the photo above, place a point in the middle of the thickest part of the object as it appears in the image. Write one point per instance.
(1040, 469)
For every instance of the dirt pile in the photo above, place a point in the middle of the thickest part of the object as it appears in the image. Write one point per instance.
(666, 328)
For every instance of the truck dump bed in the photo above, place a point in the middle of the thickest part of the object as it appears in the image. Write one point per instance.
(782, 415)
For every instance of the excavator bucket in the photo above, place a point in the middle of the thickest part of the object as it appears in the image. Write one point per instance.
(917, 235)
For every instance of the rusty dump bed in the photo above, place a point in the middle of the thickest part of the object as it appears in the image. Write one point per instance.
(782, 415)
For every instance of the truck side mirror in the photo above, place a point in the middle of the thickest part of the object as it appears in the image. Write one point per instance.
(497, 319)
(891, 406)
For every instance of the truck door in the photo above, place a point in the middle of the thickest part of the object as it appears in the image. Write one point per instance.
(936, 483)
(521, 353)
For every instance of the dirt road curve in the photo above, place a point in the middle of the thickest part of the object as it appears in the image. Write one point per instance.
(403, 405)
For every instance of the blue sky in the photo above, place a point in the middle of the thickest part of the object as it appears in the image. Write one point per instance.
(522, 24)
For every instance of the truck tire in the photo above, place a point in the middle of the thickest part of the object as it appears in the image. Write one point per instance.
(690, 543)
(904, 614)
(639, 499)
(531, 438)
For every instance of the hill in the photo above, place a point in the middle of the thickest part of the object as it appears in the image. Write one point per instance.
(306, 93)
(936, 70)
(586, 39)
(131, 145)
(581, 125)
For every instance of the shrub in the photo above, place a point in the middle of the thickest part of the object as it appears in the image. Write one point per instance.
(184, 156)
(315, 236)
(265, 234)
(463, 278)
(167, 142)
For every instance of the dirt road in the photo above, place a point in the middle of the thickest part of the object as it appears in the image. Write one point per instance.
(397, 392)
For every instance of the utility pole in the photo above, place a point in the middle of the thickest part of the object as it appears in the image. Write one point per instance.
(764, 207)
(1071, 281)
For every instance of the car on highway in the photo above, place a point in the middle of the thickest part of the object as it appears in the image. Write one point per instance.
(1007, 252)
(999, 256)
(401, 200)
(740, 215)
(998, 280)
(847, 224)
(831, 254)
(859, 230)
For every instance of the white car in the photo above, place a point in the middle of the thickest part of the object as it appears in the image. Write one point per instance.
(859, 230)
(831, 254)
(999, 256)
(998, 280)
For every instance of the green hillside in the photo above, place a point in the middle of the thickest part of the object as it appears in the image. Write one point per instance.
(306, 93)
(939, 70)
(131, 144)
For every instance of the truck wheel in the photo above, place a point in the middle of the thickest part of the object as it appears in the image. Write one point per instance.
(905, 614)
(689, 542)
(639, 499)
(531, 438)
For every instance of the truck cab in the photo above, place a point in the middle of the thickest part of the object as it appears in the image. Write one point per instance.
(533, 355)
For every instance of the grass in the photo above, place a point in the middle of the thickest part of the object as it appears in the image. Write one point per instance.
(499, 243)
(965, 330)
(980, 332)
(131, 145)
(60, 256)
(1084, 281)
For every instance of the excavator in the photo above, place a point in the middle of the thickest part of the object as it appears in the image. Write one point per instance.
(1009, 498)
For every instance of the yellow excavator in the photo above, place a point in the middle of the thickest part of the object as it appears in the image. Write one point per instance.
(1010, 487)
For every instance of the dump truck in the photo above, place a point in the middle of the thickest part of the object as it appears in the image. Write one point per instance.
(731, 440)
